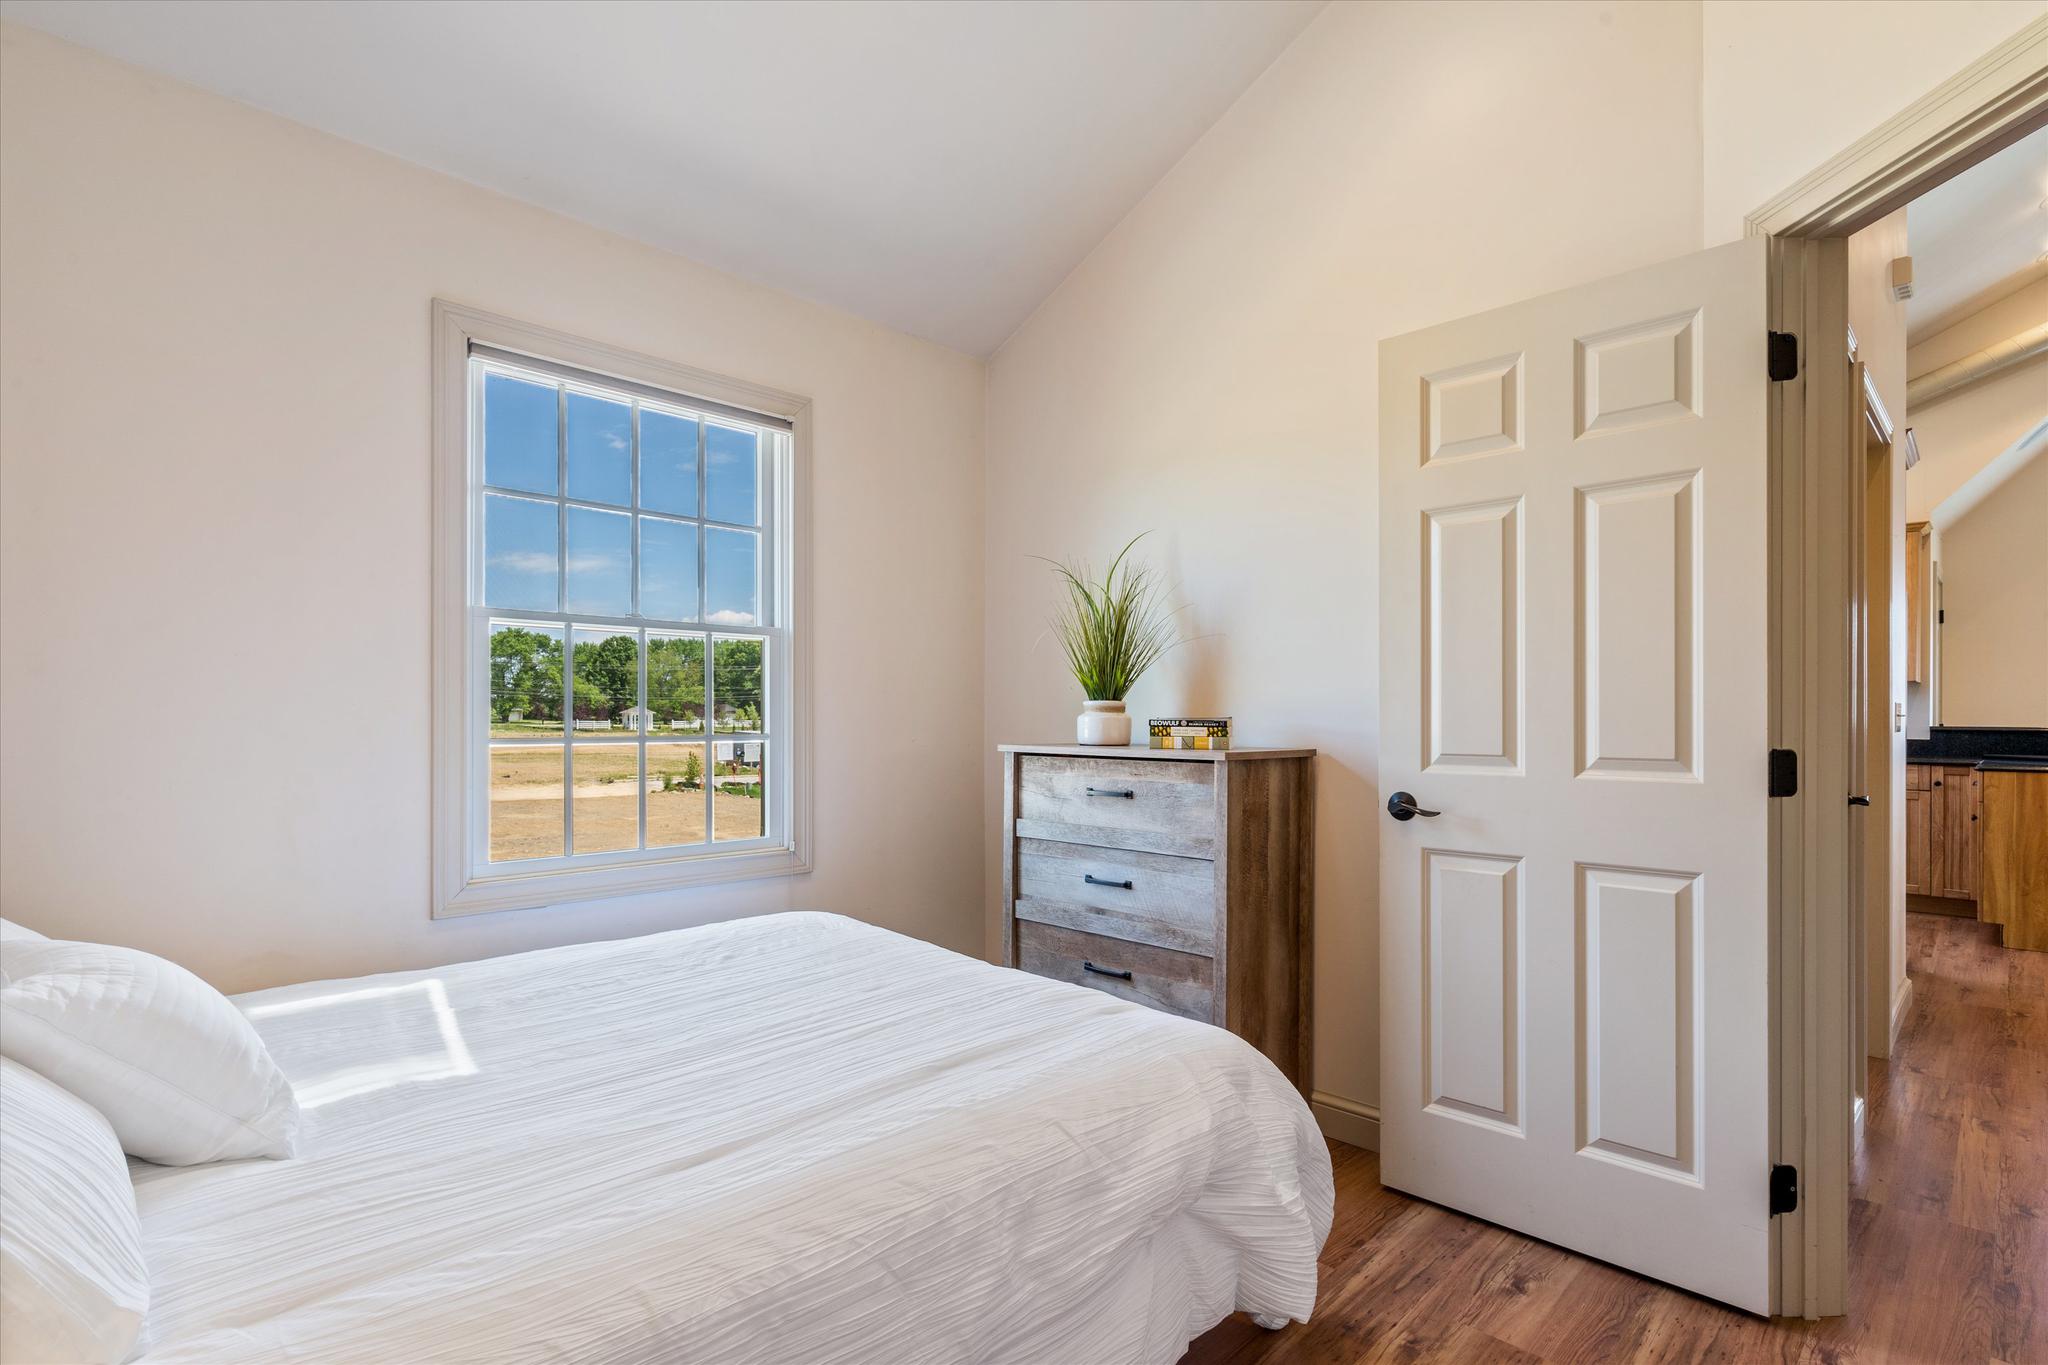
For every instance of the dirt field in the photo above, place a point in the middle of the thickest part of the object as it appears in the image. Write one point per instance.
(526, 802)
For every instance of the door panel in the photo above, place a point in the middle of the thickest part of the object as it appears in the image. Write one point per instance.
(1473, 948)
(1474, 695)
(1574, 613)
(1637, 960)
(1636, 552)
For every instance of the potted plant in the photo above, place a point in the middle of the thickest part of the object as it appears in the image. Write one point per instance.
(1112, 630)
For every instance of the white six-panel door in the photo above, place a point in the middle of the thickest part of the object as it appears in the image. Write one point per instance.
(1574, 641)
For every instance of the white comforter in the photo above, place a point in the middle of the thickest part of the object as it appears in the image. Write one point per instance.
(788, 1139)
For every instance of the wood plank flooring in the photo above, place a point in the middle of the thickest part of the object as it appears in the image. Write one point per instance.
(1948, 1224)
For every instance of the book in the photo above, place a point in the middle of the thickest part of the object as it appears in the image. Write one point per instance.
(1190, 732)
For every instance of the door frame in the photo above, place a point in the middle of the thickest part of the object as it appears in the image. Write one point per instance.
(1990, 104)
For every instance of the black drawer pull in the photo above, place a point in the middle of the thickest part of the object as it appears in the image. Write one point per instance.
(1125, 792)
(1093, 880)
(1104, 971)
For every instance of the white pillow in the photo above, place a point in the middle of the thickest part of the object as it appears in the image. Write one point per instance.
(9, 929)
(177, 1070)
(73, 1285)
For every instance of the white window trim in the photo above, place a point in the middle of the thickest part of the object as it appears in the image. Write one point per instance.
(459, 886)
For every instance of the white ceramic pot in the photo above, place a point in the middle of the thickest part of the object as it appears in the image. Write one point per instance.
(1102, 722)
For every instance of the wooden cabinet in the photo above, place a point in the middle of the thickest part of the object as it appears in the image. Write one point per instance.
(2015, 867)
(1919, 603)
(1957, 809)
(1944, 844)
(1919, 832)
(1179, 880)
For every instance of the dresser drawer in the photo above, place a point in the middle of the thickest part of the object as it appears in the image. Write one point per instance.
(1150, 805)
(1179, 983)
(1155, 898)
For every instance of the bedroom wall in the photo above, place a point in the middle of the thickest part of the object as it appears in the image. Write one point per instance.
(214, 537)
(1209, 372)
(1789, 83)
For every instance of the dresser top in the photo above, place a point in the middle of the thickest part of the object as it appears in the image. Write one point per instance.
(1242, 755)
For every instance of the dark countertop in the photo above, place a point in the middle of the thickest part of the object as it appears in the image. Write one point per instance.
(1995, 763)
(1967, 746)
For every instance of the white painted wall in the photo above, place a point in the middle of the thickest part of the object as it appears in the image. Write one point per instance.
(1994, 642)
(1209, 372)
(1992, 650)
(214, 537)
(1789, 83)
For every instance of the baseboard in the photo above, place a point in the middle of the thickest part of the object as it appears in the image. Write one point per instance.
(1346, 1120)
(1901, 1000)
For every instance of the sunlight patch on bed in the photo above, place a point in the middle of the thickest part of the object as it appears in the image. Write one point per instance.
(399, 1035)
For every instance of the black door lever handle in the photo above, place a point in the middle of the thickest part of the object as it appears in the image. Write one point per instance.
(1859, 800)
(1402, 807)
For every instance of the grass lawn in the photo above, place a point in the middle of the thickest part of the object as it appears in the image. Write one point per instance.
(526, 801)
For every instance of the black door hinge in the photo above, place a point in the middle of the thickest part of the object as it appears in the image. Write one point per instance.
(1784, 356)
(1941, 617)
(1784, 772)
(1784, 1189)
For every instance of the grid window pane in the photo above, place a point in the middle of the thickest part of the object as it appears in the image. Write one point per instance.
(668, 462)
(675, 685)
(519, 434)
(668, 569)
(676, 775)
(522, 554)
(600, 446)
(526, 802)
(607, 795)
(526, 680)
(609, 738)
(739, 692)
(732, 474)
(732, 570)
(600, 562)
(739, 800)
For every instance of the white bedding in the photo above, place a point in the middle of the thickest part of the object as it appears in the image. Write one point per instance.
(788, 1139)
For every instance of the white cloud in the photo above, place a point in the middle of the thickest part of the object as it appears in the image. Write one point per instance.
(524, 561)
(729, 617)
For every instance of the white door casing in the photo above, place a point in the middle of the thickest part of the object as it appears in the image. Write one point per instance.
(1575, 994)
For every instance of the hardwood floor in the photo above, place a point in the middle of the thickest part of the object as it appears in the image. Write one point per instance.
(1948, 1224)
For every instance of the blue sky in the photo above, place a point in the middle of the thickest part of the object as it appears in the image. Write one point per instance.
(522, 535)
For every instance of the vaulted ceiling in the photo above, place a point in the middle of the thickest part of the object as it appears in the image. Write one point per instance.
(938, 168)
(1971, 236)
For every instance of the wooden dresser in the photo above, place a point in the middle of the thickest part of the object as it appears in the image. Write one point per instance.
(1179, 879)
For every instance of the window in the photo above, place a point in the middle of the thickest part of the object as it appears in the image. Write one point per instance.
(616, 540)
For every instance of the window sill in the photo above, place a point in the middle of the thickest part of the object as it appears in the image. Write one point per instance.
(530, 891)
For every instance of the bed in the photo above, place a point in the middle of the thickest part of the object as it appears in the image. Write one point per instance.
(795, 1138)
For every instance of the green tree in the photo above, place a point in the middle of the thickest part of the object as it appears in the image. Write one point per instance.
(526, 674)
(607, 677)
(737, 674)
(675, 680)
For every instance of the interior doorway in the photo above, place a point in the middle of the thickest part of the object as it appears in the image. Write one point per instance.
(1847, 701)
